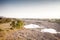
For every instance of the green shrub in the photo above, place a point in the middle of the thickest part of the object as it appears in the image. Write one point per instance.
(17, 24)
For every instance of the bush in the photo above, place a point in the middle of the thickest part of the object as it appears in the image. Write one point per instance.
(5, 20)
(8, 20)
(57, 20)
(13, 24)
(17, 24)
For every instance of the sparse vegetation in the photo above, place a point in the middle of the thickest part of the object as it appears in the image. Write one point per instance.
(13, 24)
(57, 21)
(17, 24)
(54, 20)
(5, 20)
(8, 30)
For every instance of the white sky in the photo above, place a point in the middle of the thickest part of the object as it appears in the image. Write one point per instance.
(51, 10)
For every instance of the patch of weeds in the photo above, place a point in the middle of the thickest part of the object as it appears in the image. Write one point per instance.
(5, 20)
(18, 24)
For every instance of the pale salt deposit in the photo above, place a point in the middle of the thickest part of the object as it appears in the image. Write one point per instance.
(32, 26)
(49, 30)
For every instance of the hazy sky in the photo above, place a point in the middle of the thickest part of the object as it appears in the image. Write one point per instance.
(30, 9)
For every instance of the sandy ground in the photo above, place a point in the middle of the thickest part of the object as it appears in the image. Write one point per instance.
(30, 34)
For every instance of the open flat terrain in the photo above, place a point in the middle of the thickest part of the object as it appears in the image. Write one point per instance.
(29, 34)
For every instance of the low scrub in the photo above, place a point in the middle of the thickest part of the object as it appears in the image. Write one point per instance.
(5, 20)
(18, 24)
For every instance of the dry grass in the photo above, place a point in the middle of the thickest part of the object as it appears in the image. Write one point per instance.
(7, 33)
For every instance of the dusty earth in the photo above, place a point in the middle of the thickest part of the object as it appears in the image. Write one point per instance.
(27, 34)
(30, 34)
